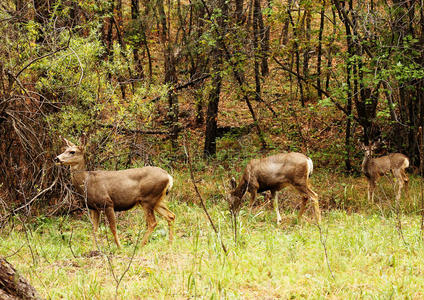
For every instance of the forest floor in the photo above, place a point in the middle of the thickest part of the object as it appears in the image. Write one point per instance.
(373, 252)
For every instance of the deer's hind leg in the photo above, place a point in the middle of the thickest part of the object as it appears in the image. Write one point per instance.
(302, 207)
(401, 181)
(169, 216)
(308, 194)
(150, 222)
(405, 181)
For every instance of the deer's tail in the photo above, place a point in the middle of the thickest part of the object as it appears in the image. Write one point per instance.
(310, 167)
(406, 163)
(170, 184)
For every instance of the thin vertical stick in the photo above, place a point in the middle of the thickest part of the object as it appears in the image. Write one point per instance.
(234, 215)
(200, 197)
(323, 243)
(421, 151)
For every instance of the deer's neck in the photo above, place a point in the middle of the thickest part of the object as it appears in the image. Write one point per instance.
(78, 175)
(241, 188)
(365, 164)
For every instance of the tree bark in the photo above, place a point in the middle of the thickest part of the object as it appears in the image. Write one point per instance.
(257, 14)
(297, 57)
(212, 112)
(170, 77)
(12, 285)
(135, 16)
(306, 56)
(319, 54)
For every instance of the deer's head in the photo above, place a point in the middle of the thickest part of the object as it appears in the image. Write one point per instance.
(73, 155)
(369, 149)
(234, 199)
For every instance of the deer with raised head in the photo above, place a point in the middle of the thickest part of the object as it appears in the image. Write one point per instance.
(111, 191)
(374, 168)
(273, 173)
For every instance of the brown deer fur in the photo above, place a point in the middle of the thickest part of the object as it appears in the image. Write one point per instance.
(273, 173)
(374, 168)
(111, 191)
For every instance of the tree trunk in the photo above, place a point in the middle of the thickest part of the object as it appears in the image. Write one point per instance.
(239, 12)
(308, 20)
(41, 16)
(170, 77)
(212, 112)
(330, 52)
(319, 54)
(297, 57)
(257, 14)
(12, 285)
(135, 16)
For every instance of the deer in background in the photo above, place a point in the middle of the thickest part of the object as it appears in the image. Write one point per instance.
(111, 191)
(374, 168)
(273, 173)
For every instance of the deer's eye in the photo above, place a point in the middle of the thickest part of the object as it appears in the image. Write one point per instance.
(72, 152)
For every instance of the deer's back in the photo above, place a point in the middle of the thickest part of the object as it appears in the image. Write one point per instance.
(276, 171)
(125, 188)
(384, 164)
(399, 160)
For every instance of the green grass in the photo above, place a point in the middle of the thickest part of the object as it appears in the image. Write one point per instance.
(366, 252)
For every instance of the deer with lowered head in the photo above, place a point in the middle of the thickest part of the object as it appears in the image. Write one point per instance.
(374, 168)
(273, 173)
(111, 191)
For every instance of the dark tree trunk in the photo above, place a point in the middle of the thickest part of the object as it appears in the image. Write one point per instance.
(257, 15)
(411, 91)
(135, 16)
(297, 57)
(41, 16)
(308, 20)
(239, 12)
(330, 52)
(13, 285)
(213, 101)
(366, 105)
(285, 30)
(170, 74)
(264, 32)
(351, 52)
(212, 112)
(319, 54)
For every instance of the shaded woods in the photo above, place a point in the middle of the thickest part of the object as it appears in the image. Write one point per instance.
(136, 75)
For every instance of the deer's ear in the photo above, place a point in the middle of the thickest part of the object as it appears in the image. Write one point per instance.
(68, 143)
(375, 145)
(233, 183)
(83, 140)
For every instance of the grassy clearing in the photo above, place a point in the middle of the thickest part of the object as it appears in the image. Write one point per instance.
(367, 254)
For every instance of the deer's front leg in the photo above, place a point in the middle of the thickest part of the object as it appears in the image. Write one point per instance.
(274, 197)
(371, 188)
(110, 215)
(95, 218)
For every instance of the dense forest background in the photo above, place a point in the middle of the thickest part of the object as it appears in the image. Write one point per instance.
(231, 79)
